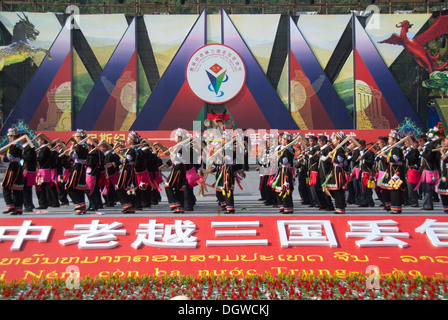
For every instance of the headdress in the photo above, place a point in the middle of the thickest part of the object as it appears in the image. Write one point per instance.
(288, 136)
(13, 132)
(340, 135)
(134, 136)
(80, 133)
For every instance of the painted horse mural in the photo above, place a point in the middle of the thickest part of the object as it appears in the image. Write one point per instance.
(20, 49)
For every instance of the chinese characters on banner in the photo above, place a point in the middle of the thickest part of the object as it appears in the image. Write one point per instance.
(45, 247)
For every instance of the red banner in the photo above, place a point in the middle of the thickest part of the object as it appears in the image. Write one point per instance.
(241, 245)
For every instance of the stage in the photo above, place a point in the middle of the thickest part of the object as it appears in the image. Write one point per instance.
(256, 239)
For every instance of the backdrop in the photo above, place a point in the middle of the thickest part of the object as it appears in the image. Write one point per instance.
(309, 72)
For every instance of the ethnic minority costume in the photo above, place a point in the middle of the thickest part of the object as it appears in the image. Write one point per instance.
(29, 175)
(442, 188)
(430, 174)
(379, 168)
(54, 200)
(302, 186)
(76, 183)
(266, 175)
(63, 172)
(393, 181)
(225, 182)
(144, 163)
(366, 177)
(12, 183)
(284, 181)
(324, 169)
(127, 183)
(337, 181)
(317, 196)
(412, 158)
(355, 188)
(43, 178)
(192, 170)
(95, 178)
(176, 181)
(112, 173)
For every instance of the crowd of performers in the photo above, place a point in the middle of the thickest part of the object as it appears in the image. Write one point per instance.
(329, 175)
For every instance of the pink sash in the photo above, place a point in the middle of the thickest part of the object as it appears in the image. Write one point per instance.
(192, 177)
(158, 177)
(413, 176)
(54, 176)
(143, 180)
(102, 181)
(356, 173)
(153, 183)
(112, 180)
(90, 183)
(313, 178)
(44, 175)
(430, 177)
(31, 175)
(66, 173)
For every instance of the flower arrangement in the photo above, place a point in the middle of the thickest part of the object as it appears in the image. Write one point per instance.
(436, 132)
(254, 287)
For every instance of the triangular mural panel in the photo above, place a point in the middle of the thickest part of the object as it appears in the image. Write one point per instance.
(257, 106)
(172, 104)
(112, 102)
(314, 101)
(46, 102)
(379, 101)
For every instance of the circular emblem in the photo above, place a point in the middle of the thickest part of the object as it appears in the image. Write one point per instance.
(215, 73)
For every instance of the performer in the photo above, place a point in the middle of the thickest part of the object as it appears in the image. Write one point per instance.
(284, 184)
(301, 172)
(313, 155)
(218, 164)
(393, 182)
(76, 183)
(275, 146)
(412, 158)
(95, 176)
(29, 173)
(265, 172)
(324, 167)
(379, 170)
(366, 160)
(175, 184)
(428, 168)
(127, 184)
(45, 179)
(442, 187)
(63, 165)
(54, 199)
(112, 164)
(337, 181)
(12, 183)
(156, 175)
(142, 173)
(193, 173)
(351, 199)
(355, 173)
(228, 170)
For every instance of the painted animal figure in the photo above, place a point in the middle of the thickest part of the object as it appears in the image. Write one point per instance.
(20, 50)
(416, 46)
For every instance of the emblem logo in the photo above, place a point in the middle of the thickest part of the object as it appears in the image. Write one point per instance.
(215, 73)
